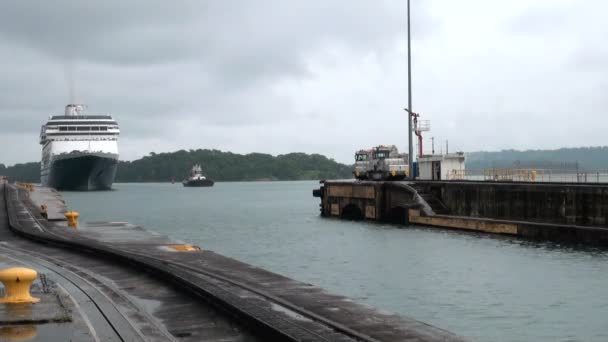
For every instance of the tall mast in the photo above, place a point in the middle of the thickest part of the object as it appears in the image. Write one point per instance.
(409, 97)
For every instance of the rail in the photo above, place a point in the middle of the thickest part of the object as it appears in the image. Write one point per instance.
(207, 289)
(177, 274)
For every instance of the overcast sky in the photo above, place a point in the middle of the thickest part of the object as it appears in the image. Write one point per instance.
(316, 76)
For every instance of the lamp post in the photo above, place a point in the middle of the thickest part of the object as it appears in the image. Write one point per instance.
(409, 97)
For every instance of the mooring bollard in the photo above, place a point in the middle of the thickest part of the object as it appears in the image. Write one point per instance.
(72, 217)
(17, 282)
(185, 247)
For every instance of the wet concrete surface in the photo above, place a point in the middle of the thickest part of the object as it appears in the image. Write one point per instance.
(208, 297)
(152, 309)
(56, 207)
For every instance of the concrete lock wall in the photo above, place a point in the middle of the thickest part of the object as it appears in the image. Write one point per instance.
(576, 204)
(351, 202)
(379, 201)
(557, 212)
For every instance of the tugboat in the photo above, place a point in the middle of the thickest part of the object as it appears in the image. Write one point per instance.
(196, 178)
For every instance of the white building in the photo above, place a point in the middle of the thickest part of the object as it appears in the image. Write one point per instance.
(441, 166)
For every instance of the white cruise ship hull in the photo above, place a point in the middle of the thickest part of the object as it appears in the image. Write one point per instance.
(79, 152)
(78, 171)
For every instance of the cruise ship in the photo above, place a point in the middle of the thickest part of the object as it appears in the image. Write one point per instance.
(79, 151)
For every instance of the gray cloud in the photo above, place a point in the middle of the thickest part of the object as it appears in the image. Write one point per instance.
(315, 76)
(540, 19)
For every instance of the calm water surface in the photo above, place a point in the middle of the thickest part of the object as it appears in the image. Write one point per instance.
(486, 288)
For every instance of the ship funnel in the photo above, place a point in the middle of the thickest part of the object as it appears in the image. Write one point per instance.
(74, 109)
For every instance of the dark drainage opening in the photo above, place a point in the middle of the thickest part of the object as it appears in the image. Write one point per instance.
(352, 212)
(397, 215)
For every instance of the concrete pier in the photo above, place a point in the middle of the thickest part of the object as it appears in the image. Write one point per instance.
(121, 283)
(564, 212)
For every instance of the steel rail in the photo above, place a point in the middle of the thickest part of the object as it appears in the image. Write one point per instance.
(156, 264)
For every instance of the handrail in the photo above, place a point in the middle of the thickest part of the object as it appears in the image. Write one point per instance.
(530, 175)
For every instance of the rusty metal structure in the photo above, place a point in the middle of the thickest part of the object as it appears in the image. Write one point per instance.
(563, 212)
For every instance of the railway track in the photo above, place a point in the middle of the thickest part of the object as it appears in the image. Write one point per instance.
(268, 318)
(267, 313)
(109, 324)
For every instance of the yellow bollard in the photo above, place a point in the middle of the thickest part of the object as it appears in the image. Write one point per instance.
(185, 248)
(72, 217)
(17, 282)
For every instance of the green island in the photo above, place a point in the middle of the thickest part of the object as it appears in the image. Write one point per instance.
(217, 165)
(228, 166)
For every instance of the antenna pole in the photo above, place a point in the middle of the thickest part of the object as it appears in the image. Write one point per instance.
(409, 96)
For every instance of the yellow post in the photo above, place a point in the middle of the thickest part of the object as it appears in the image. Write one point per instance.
(185, 248)
(17, 282)
(72, 217)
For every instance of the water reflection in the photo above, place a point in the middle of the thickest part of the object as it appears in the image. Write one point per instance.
(549, 246)
(18, 333)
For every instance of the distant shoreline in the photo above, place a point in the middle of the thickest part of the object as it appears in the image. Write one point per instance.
(233, 181)
(259, 167)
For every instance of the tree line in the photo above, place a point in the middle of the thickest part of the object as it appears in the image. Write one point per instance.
(217, 165)
(576, 158)
(227, 166)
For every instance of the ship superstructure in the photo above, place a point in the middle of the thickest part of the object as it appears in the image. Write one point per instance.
(196, 178)
(79, 151)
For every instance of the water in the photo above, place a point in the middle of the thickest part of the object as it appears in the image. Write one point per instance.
(486, 288)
